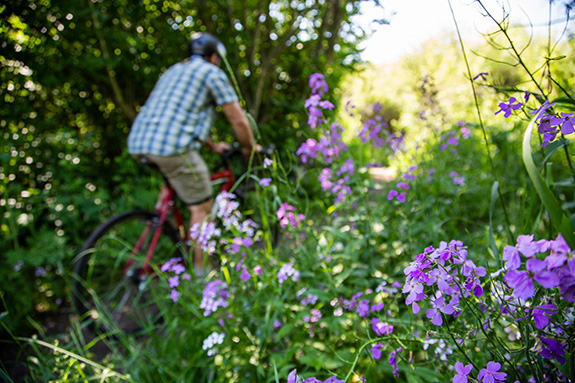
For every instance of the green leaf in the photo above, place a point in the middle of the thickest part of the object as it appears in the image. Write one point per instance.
(286, 329)
(558, 219)
(5, 378)
(553, 147)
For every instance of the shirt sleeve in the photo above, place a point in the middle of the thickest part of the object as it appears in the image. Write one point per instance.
(221, 89)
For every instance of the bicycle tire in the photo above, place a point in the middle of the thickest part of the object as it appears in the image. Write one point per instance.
(111, 297)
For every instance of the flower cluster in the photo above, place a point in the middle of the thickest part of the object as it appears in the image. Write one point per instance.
(329, 146)
(549, 264)
(287, 271)
(286, 215)
(452, 275)
(212, 340)
(556, 270)
(315, 105)
(174, 265)
(227, 211)
(450, 140)
(203, 235)
(377, 131)
(307, 299)
(551, 124)
(338, 186)
(456, 179)
(214, 296)
(398, 195)
(371, 131)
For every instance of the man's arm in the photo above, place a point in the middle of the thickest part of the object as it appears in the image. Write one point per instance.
(241, 126)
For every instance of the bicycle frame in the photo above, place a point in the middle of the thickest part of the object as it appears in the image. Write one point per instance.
(166, 205)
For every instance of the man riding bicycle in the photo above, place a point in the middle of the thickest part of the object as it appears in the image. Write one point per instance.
(176, 121)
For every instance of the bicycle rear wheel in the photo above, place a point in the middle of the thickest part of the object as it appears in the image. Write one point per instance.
(113, 290)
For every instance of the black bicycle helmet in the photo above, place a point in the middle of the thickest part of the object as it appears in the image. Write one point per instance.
(205, 45)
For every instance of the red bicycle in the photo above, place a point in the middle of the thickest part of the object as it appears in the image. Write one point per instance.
(118, 265)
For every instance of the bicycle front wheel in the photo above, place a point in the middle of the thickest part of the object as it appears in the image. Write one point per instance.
(115, 288)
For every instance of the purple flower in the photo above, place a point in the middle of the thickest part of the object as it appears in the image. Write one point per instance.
(509, 107)
(543, 109)
(362, 308)
(214, 296)
(381, 328)
(268, 162)
(377, 307)
(559, 254)
(317, 84)
(277, 324)
(40, 272)
(174, 295)
(465, 132)
(457, 179)
(462, 372)
(376, 351)
(567, 127)
(293, 378)
(552, 350)
(174, 281)
(549, 127)
(401, 197)
(525, 246)
(541, 315)
(491, 374)
(285, 215)
(393, 361)
(416, 294)
(392, 193)
(326, 105)
(522, 281)
(402, 185)
(245, 275)
(286, 271)
(347, 167)
(439, 306)
(265, 182)
(483, 75)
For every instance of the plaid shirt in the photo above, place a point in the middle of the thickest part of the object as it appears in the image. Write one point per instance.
(180, 111)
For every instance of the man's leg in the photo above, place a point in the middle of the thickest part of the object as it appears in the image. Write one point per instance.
(199, 213)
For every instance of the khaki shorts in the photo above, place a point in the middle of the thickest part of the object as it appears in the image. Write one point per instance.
(187, 173)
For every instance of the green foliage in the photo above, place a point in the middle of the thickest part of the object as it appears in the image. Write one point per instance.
(74, 76)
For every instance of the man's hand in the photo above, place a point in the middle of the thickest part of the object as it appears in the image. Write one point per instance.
(220, 147)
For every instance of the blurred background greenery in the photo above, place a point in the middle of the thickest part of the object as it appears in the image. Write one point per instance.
(74, 74)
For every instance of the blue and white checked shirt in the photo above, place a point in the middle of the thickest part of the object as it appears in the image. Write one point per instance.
(180, 111)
